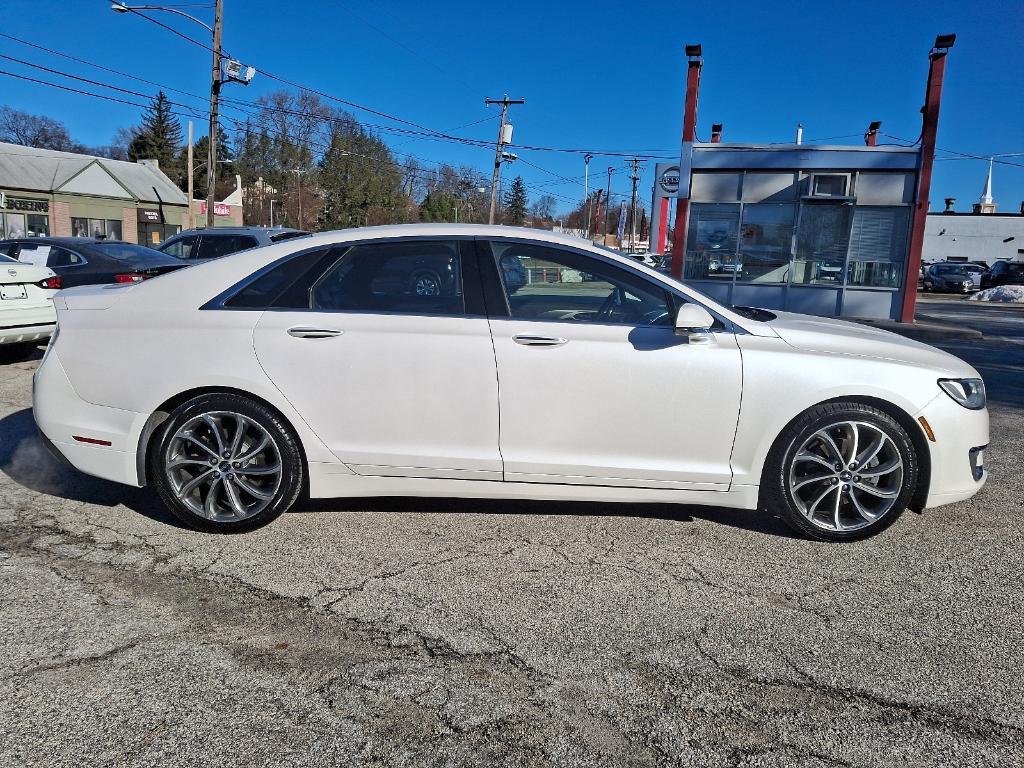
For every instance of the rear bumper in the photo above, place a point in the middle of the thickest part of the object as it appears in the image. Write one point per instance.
(66, 420)
(22, 334)
(957, 454)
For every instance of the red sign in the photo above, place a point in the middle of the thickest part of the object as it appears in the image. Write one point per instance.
(219, 209)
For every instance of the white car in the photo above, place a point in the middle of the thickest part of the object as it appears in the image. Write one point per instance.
(319, 366)
(27, 315)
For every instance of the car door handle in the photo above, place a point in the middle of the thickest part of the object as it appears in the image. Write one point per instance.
(314, 333)
(528, 340)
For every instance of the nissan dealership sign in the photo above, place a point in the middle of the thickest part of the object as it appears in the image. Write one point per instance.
(668, 179)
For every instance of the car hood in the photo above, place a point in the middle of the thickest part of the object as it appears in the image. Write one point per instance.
(822, 334)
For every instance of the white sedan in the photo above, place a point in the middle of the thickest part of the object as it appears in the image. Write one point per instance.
(445, 360)
(27, 315)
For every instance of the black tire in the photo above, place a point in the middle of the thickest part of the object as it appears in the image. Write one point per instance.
(776, 494)
(18, 353)
(284, 444)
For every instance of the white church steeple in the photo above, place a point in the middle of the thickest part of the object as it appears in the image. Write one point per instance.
(985, 203)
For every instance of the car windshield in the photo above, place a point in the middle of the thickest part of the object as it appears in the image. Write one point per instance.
(1015, 269)
(123, 251)
(950, 269)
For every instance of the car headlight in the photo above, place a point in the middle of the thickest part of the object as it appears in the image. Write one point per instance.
(970, 393)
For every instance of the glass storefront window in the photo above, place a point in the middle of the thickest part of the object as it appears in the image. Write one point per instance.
(766, 242)
(711, 241)
(109, 229)
(823, 238)
(878, 245)
(14, 225)
(38, 225)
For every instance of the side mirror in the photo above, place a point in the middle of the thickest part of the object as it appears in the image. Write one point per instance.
(693, 321)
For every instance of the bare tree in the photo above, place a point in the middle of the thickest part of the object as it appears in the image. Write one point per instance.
(17, 127)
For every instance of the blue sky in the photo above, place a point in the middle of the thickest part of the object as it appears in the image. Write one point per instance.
(602, 75)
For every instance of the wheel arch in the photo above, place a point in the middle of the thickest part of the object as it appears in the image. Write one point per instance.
(904, 419)
(166, 408)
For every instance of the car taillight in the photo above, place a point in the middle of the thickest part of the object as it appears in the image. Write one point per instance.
(130, 277)
(52, 283)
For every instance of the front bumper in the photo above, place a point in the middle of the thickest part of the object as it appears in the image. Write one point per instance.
(957, 454)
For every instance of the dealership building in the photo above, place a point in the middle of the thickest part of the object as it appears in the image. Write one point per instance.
(825, 230)
(44, 192)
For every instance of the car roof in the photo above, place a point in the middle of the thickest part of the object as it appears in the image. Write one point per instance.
(69, 242)
(248, 230)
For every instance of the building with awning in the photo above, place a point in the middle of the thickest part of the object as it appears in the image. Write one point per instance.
(45, 192)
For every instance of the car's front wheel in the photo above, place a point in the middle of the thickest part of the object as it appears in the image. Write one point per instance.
(841, 471)
(225, 463)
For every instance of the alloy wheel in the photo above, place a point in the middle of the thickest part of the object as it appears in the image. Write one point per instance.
(223, 466)
(426, 285)
(846, 476)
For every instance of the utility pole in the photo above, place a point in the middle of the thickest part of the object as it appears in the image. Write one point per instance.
(632, 206)
(298, 191)
(503, 139)
(191, 170)
(215, 82)
(586, 190)
(607, 204)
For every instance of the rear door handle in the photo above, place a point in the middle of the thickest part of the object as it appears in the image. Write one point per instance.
(302, 332)
(528, 340)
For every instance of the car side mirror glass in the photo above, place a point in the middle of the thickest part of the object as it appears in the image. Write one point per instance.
(693, 319)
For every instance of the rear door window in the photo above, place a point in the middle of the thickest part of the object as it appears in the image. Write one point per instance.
(62, 257)
(215, 246)
(182, 249)
(417, 277)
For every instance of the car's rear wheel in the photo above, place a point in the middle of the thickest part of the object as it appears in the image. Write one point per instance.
(225, 463)
(841, 471)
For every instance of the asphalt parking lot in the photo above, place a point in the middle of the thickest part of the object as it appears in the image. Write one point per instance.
(443, 632)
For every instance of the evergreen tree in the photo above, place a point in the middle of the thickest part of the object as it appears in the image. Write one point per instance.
(159, 137)
(516, 202)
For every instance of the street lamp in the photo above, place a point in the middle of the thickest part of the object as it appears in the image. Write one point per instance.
(236, 72)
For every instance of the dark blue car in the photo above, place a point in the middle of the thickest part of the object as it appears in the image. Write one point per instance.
(88, 260)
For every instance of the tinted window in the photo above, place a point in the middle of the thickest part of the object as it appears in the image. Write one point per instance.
(1015, 269)
(181, 249)
(124, 250)
(215, 246)
(551, 284)
(419, 277)
(62, 257)
(9, 250)
(266, 289)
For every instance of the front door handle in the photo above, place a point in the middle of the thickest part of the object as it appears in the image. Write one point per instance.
(529, 340)
(302, 332)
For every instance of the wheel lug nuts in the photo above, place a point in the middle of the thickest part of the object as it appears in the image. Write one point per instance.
(856, 478)
(213, 462)
(237, 465)
(227, 454)
(853, 465)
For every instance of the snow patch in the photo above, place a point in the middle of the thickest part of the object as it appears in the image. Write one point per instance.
(1004, 293)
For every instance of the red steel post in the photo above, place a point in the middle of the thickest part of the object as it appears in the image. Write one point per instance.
(930, 127)
(685, 169)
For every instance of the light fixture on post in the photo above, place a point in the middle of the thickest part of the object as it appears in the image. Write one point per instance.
(235, 72)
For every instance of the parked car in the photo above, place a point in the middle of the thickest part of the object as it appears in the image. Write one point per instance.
(204, 244)
(948, 277)
(976, 272)
(628, 387)
(89, 260)
(1004, 273)
(27, 315)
